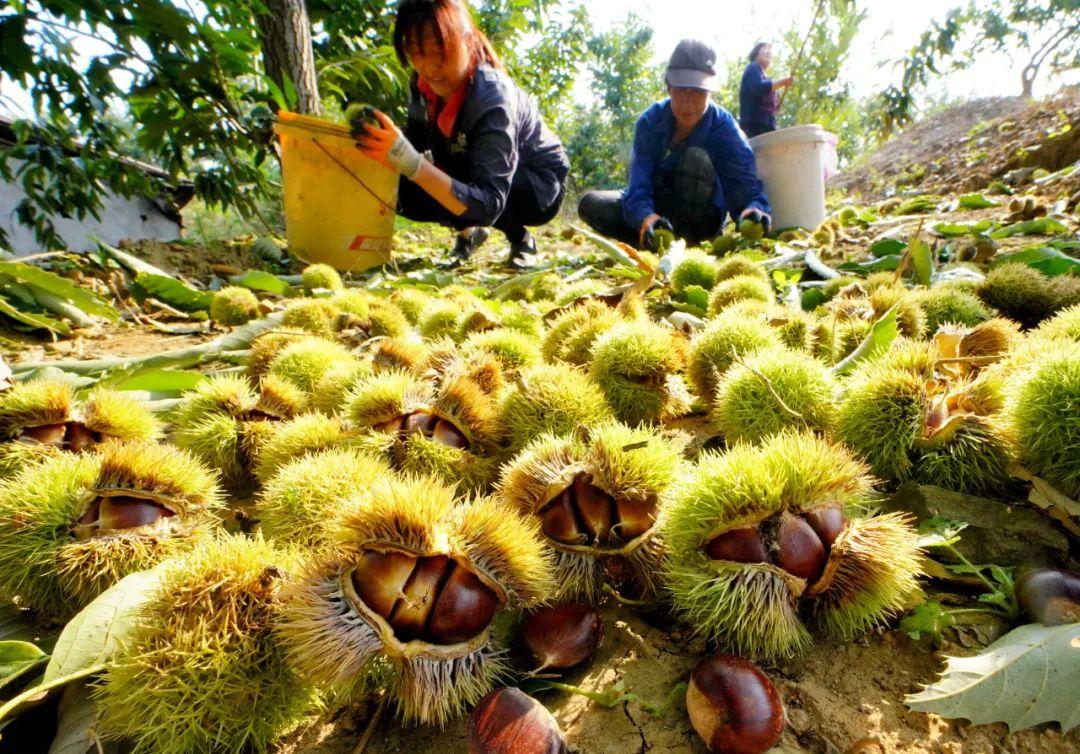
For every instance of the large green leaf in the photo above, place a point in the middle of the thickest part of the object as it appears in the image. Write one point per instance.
(1046, 259)
(17, 658)
(34, 320)
(922, 260)
(880, 337)
(172, 291)
(974, 201)
(887, 263)
(90, 639)
(76, 723)
(1029, 676)
(887, 247)
(35, 277)
(951, 230)
(260, 280)
(172, 381)
(1043, 226)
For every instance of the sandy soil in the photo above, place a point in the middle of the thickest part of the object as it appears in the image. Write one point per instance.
(838, 698)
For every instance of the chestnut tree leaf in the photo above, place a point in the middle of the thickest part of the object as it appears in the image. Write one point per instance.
(92, 636)
(90, 639)
(1027, 677)
(17, 658)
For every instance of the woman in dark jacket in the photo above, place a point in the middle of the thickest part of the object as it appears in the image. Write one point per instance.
(758, 102)
(490, 160)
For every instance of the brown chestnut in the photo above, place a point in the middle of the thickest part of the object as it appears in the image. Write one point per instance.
(562, 636)
(595, 507)
(419, 421)
(446, 433)
(558, 519)
(800, 551)
(380, 577)
(1049, 597)
(128, 513)
(733, 706)
(48, 434)
(827, 522)
(635, 518)
(77, 437)
(464, 608)
(509, 721)
(410, 614)
(742, 545)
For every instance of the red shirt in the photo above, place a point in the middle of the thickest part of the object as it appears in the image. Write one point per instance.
(446, 116)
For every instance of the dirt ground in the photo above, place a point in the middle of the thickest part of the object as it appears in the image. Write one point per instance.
(966, 147)
(838, 698)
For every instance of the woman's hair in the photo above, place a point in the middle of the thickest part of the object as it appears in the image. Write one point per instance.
(448, 20)
(755, 51)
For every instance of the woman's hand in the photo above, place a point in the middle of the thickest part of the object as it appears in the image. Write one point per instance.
(784, 83)
(388, 146)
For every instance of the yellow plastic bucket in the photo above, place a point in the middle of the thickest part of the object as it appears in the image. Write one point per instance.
(339, 204)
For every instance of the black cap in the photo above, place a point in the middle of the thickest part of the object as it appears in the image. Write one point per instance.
(692, 66)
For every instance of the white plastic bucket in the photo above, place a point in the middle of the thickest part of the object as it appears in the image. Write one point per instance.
(792, 164)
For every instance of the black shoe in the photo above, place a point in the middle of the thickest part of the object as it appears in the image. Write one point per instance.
(523, 253)
(467, 244)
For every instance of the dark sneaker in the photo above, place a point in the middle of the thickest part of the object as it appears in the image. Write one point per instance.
(467, 244)
(523, 253)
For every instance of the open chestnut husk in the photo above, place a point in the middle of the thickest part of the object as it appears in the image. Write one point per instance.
(562, 636)
(733, 706)
(509, 721)
(1049, 596)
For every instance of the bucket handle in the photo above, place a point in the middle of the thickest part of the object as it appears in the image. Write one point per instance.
(357, 178)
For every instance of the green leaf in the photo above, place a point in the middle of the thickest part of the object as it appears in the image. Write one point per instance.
(881, 335)
(974, 201)
(1043, 226)
(34, 320)
(259, 280)
(928, 618)
(172, 291)
(92, 636)
(952, 230)
(1045, 259)
(1027, 677)
(886, 263)
(50, 282)
(887, 247)
(161, 381)
(17, 658)
(76, 722)
(812, 298)
(922, 260)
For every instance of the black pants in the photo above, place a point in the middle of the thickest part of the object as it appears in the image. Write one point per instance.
(684, 197)
(522, 209)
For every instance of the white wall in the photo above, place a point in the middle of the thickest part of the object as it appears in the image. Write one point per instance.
(134, 218)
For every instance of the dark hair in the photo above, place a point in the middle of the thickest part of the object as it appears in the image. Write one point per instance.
(756, 50)
(447, 19)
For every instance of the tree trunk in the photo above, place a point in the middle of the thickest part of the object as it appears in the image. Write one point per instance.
(285, 33)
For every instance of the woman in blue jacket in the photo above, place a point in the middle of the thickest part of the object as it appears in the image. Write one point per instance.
(690, 167)
(758, 102)
(492, 161)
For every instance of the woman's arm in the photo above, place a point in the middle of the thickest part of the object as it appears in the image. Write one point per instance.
(389, 147)
(638, 206)
(440, 186)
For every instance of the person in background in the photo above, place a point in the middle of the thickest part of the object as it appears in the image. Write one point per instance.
(491, 159)
(758, 101)
(690, 166)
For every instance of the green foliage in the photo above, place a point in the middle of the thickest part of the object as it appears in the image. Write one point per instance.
(199, 105)
(623, 83)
